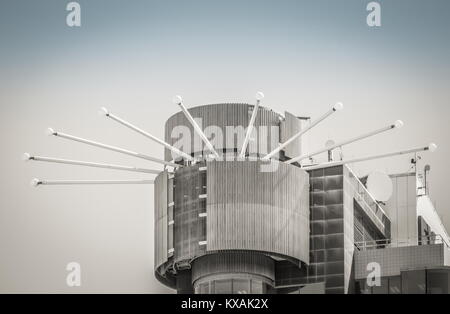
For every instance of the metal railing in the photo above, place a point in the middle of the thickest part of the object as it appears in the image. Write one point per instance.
(367, 201)
(388, 243)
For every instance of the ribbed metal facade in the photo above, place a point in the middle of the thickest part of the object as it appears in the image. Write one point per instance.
(258, 206)
(221, 116)
(290, 126)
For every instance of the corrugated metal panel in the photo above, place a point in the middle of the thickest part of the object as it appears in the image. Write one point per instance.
(250, 209)
(290, 126)
(160, 200)
(268, 132)
(223, 115)
(233, 262)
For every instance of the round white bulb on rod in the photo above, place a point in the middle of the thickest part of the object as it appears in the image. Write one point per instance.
(50, 131)
(259, 96)
(177, 99)
(146, 134)
(395, 125)
(26, 157)
(432, 147)
(90, 164)
(112, 148)
(103, 112)
(338, 106)
(398, 124)
(35, 182)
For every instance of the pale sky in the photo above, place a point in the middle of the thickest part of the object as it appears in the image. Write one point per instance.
(132, 57)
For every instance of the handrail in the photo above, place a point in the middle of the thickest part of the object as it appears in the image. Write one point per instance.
(367, 191)
(383, 243)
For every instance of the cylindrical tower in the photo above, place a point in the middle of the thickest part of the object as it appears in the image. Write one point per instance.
(222, 224)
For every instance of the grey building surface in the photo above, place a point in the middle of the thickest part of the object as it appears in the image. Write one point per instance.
(247, 225)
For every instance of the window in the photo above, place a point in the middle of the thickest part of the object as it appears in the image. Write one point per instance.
(333, 182)
(361, 287)
(257, 287)
(334, 241)
(383, 288)
(202, 288)
(334, 255)
(317, 227)
(438, 281)
(335, 226)
(223, 286)
(413, 282)
(241, 286)
(235, 286)
(170, 237)
(395, 285)
(334, 268)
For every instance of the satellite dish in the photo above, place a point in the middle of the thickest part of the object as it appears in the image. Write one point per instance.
(380, 186)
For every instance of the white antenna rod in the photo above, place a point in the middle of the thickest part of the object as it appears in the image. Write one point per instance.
(336, 107)
(397, 124)
(50, 131)
(432, 147)
(179, 101)
(27, 157)
(106, 113)
(259, 96)
(36, 182)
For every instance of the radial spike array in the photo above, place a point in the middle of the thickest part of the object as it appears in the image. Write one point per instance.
(179, 101)
(106, 113)
(88, 164)
(50, 131)
(431, 147)
(37, 182)
(259, 96)
(188, 158)
(397, 124)
(337, 107)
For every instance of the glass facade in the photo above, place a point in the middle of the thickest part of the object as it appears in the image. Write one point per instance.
(327, 229)
(189, 228)
(438, 281)
(327, 254)
(231, 285)
(326, 236)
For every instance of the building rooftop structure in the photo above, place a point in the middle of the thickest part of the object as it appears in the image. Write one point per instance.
(241, 207)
